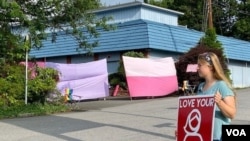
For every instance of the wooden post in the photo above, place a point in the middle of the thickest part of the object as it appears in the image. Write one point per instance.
(210, 15)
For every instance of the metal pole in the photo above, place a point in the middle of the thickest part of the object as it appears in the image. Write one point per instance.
(26, 77)
(26, 70)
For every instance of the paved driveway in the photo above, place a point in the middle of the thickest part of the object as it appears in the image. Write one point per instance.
(116, 119)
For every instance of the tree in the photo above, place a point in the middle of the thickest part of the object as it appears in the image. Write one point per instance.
(42, 19)
(210, 39)
(193, 13)
(191, 57)
(208, 43)
(241, 28)
(230, 17)
(38, 17)
(225, 12)
(160, 3)
(11, 16)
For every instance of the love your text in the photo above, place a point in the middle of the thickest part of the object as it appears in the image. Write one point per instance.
(196, 102)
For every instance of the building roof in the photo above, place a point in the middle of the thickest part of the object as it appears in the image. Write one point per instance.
(142, 34)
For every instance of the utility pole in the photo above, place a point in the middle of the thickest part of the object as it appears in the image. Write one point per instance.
(210, 15)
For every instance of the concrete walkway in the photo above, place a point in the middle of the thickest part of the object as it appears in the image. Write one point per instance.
(116, 119)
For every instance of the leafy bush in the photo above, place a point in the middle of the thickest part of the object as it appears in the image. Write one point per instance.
(42, 84)
(12, 89)
(117, 79)
(12, 82)
(12, 85)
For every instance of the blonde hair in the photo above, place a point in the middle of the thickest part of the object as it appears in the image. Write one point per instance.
(212, 59)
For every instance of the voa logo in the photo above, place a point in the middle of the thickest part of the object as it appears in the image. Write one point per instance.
(236, 132)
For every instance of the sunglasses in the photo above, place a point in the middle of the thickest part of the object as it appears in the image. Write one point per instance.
(206, 56)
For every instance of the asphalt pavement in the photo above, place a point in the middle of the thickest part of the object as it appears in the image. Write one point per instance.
(113, 119)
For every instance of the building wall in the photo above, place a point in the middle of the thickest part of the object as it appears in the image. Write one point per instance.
(113, 60)
(140, 12)
(170, 41)
(161, 17)
(61, 59)
(123, 15)
(69, 59)
(240, 72)
(116, 2)
(162, 54)
(81, 59)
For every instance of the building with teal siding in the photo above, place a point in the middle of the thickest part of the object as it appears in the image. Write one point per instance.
(148, 29)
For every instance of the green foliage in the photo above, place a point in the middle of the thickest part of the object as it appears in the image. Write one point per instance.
(11, 85)
(191, 58)
(21, 17)
(210, 39)
(31, 110)
(241, 28)
(119, 78)
(230, 17)
(42, 84)
(134, 54)
(18, 18)
(160, 3)
(193, 13)
(11, 15)
(208, 43)
(224, 13)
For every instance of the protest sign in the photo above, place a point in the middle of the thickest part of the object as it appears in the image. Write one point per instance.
(195, 118)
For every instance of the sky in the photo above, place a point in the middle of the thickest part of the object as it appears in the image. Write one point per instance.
(113, 2)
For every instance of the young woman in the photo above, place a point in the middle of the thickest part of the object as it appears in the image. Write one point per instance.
(217, 84)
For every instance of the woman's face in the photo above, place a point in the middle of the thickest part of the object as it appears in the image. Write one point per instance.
(204, 69)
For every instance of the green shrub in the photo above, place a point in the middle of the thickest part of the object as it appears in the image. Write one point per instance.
(42, 85)
(12, 85)
(117, 79)
(12, 80)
